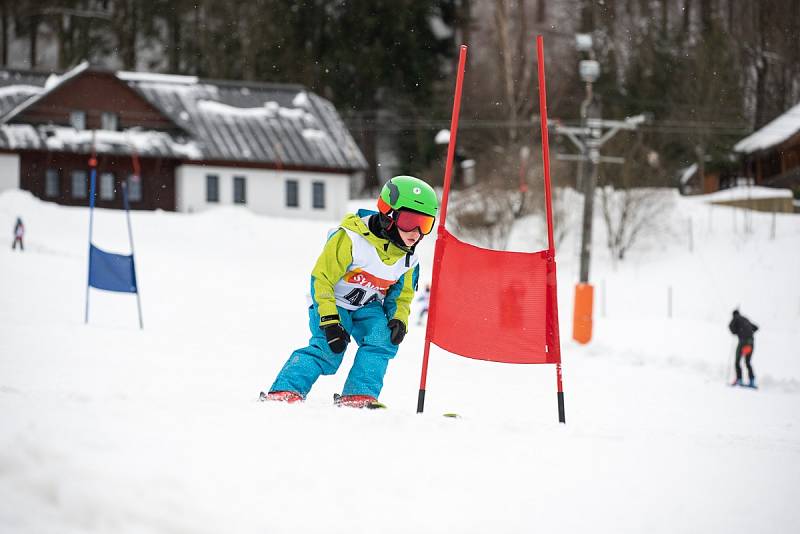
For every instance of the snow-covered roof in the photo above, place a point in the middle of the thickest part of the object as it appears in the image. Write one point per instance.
(67, 139)
(134, 76)
(18, 86)
(51, 83)
(283, 124)
(225, 121)
(774, 133)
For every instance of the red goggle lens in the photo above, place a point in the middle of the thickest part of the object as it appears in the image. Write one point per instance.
(410, 220)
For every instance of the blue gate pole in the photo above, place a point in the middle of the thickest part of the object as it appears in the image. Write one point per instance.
(93, 165)
(133, 257)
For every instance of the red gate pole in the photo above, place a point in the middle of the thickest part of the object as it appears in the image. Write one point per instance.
(551, 248)
(437, 253)
(552, 308)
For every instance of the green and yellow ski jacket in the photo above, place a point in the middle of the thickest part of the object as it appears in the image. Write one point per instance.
(357, 267)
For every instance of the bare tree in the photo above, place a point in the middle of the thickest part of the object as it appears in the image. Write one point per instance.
(125, 26)
(5, 19)
(501, 23)
(629, 214)
(515, 66)
(484, 214)
(629, 208)
(562, 220)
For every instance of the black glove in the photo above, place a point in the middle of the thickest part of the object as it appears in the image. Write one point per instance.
(398, 329)
(337, 337)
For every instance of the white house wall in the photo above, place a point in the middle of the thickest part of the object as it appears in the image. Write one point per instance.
(9, 171)
(266, 191)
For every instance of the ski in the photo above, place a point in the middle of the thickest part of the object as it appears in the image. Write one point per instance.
(358, 401)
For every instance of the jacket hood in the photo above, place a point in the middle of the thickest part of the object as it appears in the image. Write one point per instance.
(388, 251)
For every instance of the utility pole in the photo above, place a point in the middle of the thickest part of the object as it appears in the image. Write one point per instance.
(588, 138)
(589, 71)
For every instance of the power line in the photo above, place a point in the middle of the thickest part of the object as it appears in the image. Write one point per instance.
(665, 127)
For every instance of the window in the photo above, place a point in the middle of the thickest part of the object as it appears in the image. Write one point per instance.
(239, 190)
(212, 188)
(134, 188)
(77, 119)
(109, 121)
(292, 198)
(318, 195)
(107, 186)
(52, 185)
(78, 184)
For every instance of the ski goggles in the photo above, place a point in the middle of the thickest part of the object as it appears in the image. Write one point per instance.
(408, 221)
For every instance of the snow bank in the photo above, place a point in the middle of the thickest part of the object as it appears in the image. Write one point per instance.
(109, 428)
(745, 193)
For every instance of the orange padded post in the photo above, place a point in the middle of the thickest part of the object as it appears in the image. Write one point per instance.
(582, 315)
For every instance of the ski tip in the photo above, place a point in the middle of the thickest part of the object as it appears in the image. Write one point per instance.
(451, 415)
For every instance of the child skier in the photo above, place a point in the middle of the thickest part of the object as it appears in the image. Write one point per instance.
(424, 301)
(362, 286)
(19, 233)
(741, 327)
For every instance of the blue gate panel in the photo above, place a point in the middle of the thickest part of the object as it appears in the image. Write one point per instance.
(112, 272)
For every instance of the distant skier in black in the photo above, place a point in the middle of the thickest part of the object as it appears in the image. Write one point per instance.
(19, 233)
(741, 327)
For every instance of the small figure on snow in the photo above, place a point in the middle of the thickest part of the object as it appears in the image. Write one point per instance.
(19, 233)
(424, 300)
(362, 286)
(741, 327)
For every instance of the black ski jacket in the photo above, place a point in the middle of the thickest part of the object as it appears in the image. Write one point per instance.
(743, 328)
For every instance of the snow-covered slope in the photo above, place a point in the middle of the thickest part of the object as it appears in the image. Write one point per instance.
(108, 428)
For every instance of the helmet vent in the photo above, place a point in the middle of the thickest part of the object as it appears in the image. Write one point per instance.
(394, 193)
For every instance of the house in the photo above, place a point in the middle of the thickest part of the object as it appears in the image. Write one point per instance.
(275, 149)
(768, 159)
(723, 185)
(771, 155)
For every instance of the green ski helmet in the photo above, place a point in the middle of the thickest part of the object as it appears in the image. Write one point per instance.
(409, 193)
(403, 195)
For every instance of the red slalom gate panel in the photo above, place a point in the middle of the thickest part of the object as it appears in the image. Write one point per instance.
(492, 305)
(488, 304)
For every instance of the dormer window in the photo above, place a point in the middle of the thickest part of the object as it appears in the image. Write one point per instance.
(77, 119)
(109, 121)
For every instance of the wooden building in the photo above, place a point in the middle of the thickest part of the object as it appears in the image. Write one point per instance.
(771, 155)
(275, 149)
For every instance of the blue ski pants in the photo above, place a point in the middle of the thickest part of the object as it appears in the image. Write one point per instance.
(368, 328)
